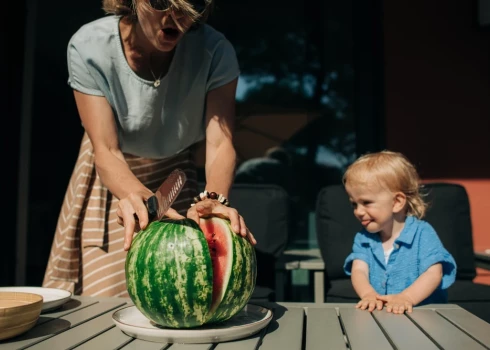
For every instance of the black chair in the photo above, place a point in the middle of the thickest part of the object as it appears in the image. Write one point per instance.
(266, 210)
(448, 213)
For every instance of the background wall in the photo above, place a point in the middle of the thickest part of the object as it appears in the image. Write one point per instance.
(437, 93)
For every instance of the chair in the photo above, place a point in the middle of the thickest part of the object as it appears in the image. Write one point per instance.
(448, 213)
(266, 210)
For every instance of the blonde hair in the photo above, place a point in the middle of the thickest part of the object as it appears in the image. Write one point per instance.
(392, 170)
(126, 8)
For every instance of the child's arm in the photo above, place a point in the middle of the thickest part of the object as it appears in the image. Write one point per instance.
(360, 281)
(423, 286)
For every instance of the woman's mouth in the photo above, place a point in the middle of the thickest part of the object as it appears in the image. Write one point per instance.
(170, 34)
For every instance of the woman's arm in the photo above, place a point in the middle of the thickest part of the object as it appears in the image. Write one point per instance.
(360, 282)
(220, 157)
(220, 152)
(98, 120)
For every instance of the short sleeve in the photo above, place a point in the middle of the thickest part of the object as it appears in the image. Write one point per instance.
(224, 66)
(79, 77)
(432, 252)
(359, 252)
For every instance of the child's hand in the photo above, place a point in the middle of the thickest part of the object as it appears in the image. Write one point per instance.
(369, 302)
(396, 303)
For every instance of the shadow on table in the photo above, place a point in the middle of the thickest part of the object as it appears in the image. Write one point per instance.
(69, 305)
(50, 326)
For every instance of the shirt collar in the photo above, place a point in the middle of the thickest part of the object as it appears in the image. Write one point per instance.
(408, 233)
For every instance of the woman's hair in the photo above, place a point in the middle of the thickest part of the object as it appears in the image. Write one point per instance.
(393, 171)
(127, 8)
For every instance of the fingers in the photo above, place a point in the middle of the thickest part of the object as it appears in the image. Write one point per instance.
(251, 237)
(366, 304)
(399, 308)
(173, 214)
(210, 207)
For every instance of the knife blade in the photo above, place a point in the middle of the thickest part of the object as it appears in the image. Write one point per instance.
(158, 204)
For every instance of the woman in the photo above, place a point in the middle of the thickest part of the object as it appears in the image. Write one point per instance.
(149, 81)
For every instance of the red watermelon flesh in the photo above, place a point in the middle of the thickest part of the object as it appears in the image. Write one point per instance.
(217, 243)
(234, 268)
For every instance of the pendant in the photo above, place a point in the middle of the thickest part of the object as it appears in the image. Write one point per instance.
(156, 83)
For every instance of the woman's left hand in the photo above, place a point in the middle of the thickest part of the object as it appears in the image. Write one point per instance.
(212, 207)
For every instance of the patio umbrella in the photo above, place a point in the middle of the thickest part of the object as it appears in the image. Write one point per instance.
(255, 133)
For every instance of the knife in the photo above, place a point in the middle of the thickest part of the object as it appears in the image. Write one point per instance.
(158, 204)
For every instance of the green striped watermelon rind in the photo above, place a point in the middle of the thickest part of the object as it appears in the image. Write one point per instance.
(156, 278)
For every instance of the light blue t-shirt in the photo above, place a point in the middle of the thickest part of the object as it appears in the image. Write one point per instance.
(153, 122)
(416, 249)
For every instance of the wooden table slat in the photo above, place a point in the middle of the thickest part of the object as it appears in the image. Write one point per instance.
(248, 343)
(111, 339)
(471, 324)
(323, 330)
(442, 331)
(69, 307)
(403, 333)
(361, 329)
(190, 347)
(137, 344)
(285, 331)
(83, 332)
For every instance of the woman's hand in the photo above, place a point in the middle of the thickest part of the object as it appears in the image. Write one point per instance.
(369, 302)
(132, 213)
(396, 303)
(212, 207)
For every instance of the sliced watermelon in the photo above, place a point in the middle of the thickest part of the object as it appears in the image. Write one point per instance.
(234, 268)
(182, 275)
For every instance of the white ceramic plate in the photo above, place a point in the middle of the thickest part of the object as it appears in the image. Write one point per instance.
(247, 322)
(52, 297)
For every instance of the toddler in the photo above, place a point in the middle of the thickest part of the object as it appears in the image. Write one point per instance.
(397, 260)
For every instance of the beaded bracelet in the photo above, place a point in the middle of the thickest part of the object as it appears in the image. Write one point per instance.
(211, 195)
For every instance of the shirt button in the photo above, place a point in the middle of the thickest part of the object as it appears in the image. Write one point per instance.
(397, 246)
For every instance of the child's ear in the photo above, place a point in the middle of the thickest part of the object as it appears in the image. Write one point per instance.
(400, 201)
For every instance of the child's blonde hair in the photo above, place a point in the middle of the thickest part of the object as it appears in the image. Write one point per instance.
(392, 170)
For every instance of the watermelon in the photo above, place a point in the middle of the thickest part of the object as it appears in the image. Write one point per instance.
(183, 275)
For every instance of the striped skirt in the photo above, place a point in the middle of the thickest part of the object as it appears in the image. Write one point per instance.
(87, 255)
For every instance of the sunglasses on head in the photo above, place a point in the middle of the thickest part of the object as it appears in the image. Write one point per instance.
(164, 5)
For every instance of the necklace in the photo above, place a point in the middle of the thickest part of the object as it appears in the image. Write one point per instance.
(157, 81)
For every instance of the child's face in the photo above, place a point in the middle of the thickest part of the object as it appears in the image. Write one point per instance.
(373, 205)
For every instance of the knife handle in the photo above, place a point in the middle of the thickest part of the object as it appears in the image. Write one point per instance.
(152, 207)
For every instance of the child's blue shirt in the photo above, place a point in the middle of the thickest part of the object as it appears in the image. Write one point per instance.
(416, 249)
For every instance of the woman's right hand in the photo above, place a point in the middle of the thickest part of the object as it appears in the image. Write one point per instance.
(132, 213)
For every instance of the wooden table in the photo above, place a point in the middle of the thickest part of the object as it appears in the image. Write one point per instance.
(86, 323)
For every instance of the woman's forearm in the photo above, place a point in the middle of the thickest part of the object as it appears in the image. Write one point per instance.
(220, 167)
(116, 175)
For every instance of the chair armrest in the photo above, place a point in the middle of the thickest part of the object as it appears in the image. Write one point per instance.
(482, 259)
